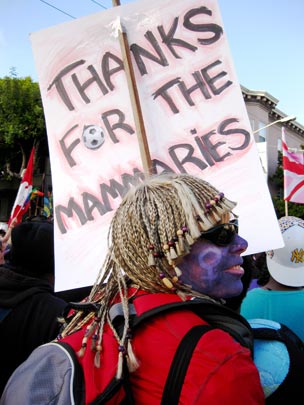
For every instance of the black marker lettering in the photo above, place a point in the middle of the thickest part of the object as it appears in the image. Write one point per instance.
(211, 80)
(199, 85)
(94, 79)
(189, 158)
(139, 53)
(214, 29)
(67, 150)
(120, 124)
(222, 130)
(163, 92)
(69, 211)
(169, 40)
(204, 150)
(107, 71)
(91, 202)
(212, 148)
(58, 82)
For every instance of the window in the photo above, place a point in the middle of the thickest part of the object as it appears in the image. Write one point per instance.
(262, 132)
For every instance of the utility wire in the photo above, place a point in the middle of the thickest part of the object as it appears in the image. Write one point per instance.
(58, 9)
(101, 5)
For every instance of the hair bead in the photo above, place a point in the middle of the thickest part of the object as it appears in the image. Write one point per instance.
(181, 244)
(178, 271)
(167, 283)
(166, 248)
(151, 261)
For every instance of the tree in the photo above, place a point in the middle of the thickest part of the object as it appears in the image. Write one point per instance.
(296, 210)
(22, 124)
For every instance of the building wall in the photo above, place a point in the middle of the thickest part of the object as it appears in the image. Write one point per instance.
(262, 111)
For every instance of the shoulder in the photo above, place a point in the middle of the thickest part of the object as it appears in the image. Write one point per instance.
(258, 291)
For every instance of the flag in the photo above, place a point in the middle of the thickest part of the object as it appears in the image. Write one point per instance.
(47, 209)
(22, 201)
(36, 193)
(293, 167)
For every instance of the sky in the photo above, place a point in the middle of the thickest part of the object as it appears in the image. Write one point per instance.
(265, 39)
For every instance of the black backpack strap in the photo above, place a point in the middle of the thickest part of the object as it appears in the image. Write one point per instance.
(129, 399)
(180, 363)
(114, 386)
(215, 314)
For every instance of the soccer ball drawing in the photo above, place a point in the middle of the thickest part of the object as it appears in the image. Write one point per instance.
(93, 136)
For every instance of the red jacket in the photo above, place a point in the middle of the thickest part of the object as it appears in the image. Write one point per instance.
(221, 371)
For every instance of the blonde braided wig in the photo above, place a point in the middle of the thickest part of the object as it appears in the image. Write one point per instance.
(152, 229)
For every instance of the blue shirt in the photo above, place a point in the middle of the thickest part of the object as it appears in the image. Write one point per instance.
(286, 307)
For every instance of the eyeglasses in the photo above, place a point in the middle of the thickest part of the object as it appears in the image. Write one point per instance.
(222, 234)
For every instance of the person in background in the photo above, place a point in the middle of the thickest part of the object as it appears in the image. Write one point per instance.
(173, 238)
(4, 241)
(278, 351)
(2, 252)
(28, 306)
(281, 298)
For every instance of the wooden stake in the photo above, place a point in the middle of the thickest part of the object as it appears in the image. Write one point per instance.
(138, 118)
(286, 208)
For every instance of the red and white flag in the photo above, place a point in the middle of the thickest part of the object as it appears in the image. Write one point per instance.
(22, 201)
(293, 166)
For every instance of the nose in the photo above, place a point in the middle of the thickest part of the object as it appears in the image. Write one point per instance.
(239, 244)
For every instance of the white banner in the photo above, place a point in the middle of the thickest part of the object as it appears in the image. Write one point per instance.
(194, 116)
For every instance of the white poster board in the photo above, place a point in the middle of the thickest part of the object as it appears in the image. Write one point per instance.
(194, 115)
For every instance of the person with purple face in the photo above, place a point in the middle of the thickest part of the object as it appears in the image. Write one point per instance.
(215, 270)
(173, 239)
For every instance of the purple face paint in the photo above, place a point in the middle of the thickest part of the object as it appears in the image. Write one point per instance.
(215, 270)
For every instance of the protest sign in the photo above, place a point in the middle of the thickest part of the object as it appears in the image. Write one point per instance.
(194, 115)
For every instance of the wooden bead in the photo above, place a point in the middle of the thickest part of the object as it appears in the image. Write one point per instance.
(167, 282)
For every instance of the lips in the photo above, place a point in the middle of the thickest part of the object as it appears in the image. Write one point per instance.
(235, 270)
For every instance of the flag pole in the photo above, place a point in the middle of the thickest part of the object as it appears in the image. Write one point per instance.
(286, 208)
(138, 118)
(284, 179)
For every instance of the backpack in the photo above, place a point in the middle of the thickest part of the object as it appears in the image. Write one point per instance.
(101, 386)
(81, 383)
(279, 358)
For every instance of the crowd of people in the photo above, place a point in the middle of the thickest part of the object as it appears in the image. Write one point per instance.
(173, 242)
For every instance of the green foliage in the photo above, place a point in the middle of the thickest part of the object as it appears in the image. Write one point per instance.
(278, 178)
(293, 209)
(21, 122)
